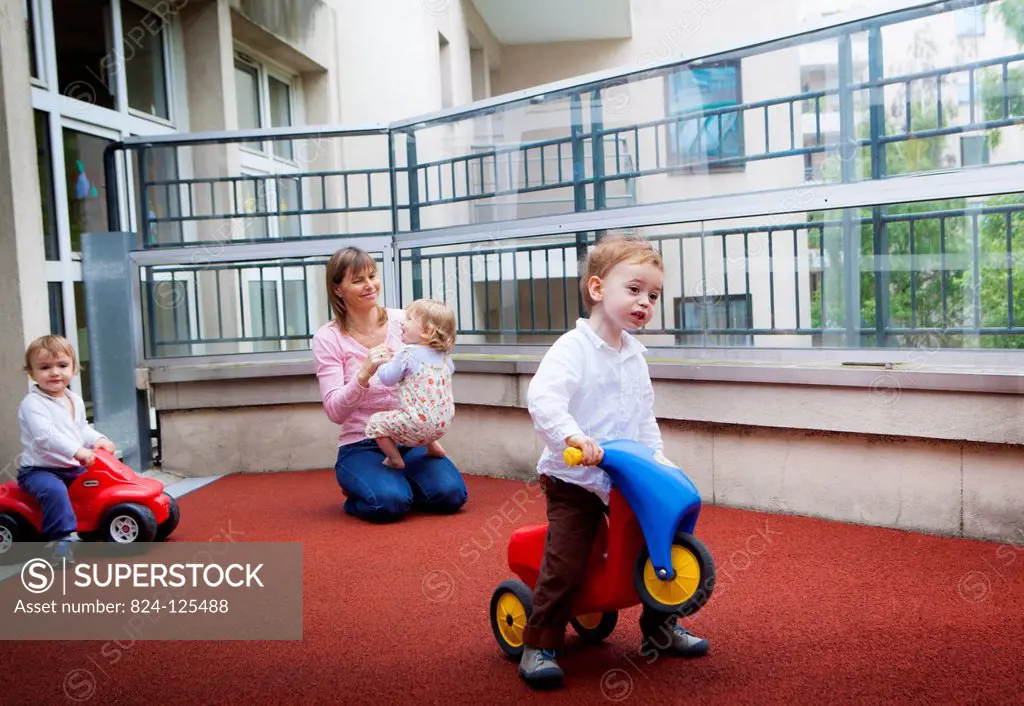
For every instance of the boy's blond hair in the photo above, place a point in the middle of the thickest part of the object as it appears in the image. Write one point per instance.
(612, 251)
(55, 346)
(438, 323)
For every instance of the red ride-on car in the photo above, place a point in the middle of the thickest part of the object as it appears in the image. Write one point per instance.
(112, 502)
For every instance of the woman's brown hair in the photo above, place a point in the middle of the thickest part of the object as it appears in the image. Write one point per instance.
(343, 262)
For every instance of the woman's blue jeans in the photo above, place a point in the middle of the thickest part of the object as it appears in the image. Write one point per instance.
(381, 494)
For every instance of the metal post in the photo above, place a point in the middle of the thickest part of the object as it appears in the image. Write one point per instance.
(144, 233)
(121, 409)
(414, 211)
(579, 170)
(876, 71)
(597, 158)
(851, 230)
(392, 266)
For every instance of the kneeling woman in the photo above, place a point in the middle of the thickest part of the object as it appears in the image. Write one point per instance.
(348, 350)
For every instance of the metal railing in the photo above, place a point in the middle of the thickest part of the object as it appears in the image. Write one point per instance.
(455, 207)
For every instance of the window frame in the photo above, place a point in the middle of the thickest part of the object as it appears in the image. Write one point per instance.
(279, 276)
(265, 70)
(679, 163)
(167, 43)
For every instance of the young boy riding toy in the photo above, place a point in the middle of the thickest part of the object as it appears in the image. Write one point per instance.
(593, 386)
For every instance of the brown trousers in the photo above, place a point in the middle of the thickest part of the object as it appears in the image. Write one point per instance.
(573, 516)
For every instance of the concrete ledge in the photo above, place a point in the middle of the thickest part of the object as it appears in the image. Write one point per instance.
(895, 408)
(827, 372)
(943, 487)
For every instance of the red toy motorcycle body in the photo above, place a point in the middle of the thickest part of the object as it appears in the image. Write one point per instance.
(112, 503)
(645, 552)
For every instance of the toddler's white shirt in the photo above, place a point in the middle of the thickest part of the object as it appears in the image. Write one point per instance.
(50, 436)
(584, 386)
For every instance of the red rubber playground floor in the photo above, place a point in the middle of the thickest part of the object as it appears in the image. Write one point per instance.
(805, 612)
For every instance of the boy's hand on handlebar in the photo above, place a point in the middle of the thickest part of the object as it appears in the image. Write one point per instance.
(107, 445)
(592, 451)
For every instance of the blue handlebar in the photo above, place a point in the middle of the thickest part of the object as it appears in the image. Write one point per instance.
(662, 497)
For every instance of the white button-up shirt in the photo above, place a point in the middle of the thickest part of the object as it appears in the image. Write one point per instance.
(584, 386)
(50, 435)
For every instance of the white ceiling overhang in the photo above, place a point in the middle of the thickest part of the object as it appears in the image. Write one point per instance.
(543, 21)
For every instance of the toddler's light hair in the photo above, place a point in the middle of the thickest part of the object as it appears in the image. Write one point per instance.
(55, 346)
(437, 321)
(614, 250)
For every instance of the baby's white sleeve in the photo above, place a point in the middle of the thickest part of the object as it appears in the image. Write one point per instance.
(392, 372)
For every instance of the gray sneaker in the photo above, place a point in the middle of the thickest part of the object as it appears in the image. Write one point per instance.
(539, 668)
(681, 644)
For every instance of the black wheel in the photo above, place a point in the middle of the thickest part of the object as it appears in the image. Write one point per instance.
(128, 524)
(511, 604)
(595, 627)
(692, 585)
(171, 523)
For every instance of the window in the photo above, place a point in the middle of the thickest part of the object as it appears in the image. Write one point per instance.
(56, 297)
(277, 306)
(269, 185)
(726, 312)
(263, 308)
(30, 23)
(707, 130)
(280, 98)
(970, 21)
(160, 200)
(973, 150)
(169, 307)
(264, 98)
(263, 196)
(145, 59)
(86, 62)
(86, 184)
(44, 158)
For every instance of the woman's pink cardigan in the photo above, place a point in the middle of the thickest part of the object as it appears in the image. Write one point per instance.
(338, 359)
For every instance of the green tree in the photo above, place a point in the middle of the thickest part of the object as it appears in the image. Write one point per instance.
(932, 282)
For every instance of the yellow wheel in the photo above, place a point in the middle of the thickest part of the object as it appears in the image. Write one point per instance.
(511, 604)
(689, 589)
(595, 627)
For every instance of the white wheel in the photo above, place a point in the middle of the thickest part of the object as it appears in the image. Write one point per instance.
(130, 523)
(124, 529)
(6, 539)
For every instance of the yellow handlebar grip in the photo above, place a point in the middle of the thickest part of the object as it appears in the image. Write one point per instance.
(573, 456)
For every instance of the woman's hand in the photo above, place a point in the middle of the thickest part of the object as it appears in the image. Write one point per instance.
(378, 356)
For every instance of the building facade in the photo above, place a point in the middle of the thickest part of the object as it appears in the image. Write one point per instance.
(471, 144)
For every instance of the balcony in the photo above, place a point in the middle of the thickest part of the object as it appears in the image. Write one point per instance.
(882, 300)
(545, 21)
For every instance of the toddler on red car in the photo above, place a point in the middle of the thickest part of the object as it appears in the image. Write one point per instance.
(56, 439)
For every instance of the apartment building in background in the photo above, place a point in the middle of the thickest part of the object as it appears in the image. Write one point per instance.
(81, 74)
